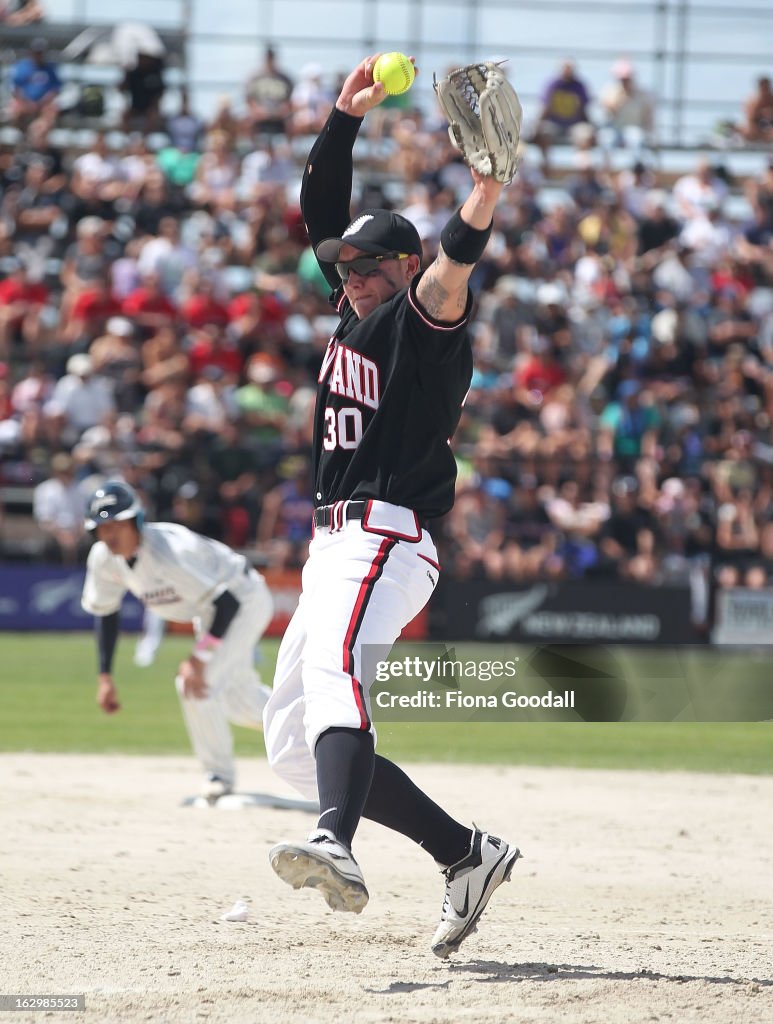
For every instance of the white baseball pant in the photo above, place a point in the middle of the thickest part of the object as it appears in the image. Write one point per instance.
(363, 582)
(236, 693)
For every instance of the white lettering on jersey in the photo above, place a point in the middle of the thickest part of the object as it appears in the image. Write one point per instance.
(354, 376)
(353, 361)
(329, 352)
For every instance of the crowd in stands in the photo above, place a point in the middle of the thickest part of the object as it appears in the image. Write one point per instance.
(162, 317)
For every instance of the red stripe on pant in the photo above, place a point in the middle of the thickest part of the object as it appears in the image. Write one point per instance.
(355, 622)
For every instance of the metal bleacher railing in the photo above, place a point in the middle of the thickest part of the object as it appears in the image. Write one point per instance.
(699, 59)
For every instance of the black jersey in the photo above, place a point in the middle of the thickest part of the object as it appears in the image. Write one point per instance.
(391, 389)
(392, 385)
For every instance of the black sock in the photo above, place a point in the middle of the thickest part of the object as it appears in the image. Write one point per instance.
(399, 804)
(344, 770)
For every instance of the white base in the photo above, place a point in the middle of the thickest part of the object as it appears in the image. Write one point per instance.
(240, 801)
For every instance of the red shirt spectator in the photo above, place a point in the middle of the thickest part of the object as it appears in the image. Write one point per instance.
(6, 405)
(143, 301)
(17, 289)
(201, 309)
(91, 311)
(732, 277)
(541, 373)
(211, 348)
(257, 304)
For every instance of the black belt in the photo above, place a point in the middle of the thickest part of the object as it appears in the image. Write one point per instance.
(324, 515)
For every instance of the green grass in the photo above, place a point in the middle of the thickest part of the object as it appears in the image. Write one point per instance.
(48, 682)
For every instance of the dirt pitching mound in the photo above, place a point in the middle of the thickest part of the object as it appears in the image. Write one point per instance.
(641, 897)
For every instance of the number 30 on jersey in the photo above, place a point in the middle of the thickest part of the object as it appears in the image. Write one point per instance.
(343, 428)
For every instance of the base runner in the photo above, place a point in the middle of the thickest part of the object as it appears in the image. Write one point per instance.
(182, 577)
(391, 388)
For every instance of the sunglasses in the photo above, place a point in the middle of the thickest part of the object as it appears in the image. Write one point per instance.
(367, 266)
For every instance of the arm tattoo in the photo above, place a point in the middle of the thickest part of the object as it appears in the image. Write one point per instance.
(435, 297)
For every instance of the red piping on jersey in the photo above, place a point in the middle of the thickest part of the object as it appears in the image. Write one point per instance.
(355, 622)
(435, 565)
(385, 532)
(434, 323)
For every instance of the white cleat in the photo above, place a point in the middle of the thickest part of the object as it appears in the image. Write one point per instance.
(145, 652)
(469, 886)
(325, 864)
(214, 787)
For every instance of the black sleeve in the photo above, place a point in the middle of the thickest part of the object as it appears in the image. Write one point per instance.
(326, 191)
(106, 629)
(226, 607)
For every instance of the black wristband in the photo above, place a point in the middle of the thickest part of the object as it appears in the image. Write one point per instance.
(463, 243)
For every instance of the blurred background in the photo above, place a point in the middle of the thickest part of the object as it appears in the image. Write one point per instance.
(162, 317)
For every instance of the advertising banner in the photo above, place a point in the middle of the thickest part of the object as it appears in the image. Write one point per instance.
(573, 611)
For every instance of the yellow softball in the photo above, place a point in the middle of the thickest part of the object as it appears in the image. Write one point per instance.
(395, 71)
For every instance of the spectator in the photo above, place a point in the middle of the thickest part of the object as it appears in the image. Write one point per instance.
(628, 425)
(537, 377)
(564, 108)
(167, 256)
(758, 113)
(81, 399)
(185, 128)
(91, 309)
(34, 211)
(134, 165)
(201, 307)
(28, 400)
(737, 531)
(162, 360)
(37, 148)
(263, 408)
(216, 174)
(708, 236)
(116, 357)
(579, 522)
(148, 307)
(22, 297)
(476, 529)
(9, 428)
(211, 347)
(85, 261)
(210, 403)
(311, 101)
(628, 534)
(656, 228)
(58, 507)
(629, 109)
(36, 87)
(155, 202)
(100, 170)
(20, 12)
(284, 529)
(143, 84)
(268, 95)
(266, 168)
(697, 193)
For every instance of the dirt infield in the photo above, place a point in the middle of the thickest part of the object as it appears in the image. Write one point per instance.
(641, 897)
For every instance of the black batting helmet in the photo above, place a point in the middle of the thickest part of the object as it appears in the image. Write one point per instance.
(114, 500)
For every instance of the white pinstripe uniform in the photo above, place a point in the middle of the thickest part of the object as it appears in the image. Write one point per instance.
(179, 574)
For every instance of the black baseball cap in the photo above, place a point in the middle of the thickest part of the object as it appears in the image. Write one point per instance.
(373, 231)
